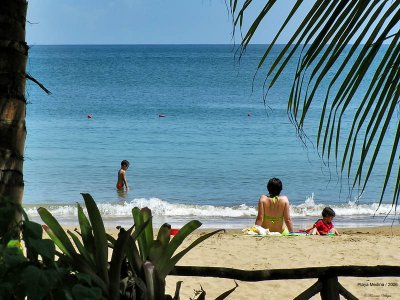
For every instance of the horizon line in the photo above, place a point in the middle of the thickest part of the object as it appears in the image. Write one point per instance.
(160, 44)
(142, 44)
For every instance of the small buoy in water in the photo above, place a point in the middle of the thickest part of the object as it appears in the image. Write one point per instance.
(161, 116)
(89, 116)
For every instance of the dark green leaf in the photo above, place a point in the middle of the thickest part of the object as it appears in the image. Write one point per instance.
(170, 264)
(39, 282)
(80, 291)
(82, 250)
(56, 232)
(86, 230)
(141, 237)
(117, 258)
(100, 238)
(45, 248)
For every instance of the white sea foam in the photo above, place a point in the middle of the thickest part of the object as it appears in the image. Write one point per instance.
(351, 208)
(163, 208)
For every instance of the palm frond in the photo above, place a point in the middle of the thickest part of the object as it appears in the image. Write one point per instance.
(346, 39)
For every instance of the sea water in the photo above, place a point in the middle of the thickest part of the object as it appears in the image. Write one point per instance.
(192, 121)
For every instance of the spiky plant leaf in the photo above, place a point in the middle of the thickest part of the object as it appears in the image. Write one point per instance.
(56, 232)
(82, 250)
(166, 262)
(99, 235)
(132, 252)
(141, 238)
(86, 230)
(117, 257)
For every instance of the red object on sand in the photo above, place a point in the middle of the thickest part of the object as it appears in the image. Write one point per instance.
(174, 231)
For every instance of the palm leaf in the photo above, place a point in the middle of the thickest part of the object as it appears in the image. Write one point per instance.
(321, 45)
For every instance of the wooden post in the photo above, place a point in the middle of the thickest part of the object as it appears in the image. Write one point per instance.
(345, 293)
(327, 285)
(310, 292)
(329, 288)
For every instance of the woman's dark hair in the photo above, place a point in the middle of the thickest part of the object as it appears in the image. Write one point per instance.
(328, 212)
(274, 187)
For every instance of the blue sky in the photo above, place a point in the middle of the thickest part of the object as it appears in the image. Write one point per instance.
(140, 22)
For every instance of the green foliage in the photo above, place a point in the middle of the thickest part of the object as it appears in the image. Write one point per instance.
(153, 259)
(91, 255)
(137, 270)
(37, 276)
(139, 263)
(9, 225)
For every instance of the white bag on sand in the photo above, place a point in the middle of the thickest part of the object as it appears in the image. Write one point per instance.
(255, 230)
(261, 230)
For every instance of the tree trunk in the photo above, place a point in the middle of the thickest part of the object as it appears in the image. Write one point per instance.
(13, 59)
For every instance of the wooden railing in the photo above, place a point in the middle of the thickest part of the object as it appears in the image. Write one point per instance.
(327, 285)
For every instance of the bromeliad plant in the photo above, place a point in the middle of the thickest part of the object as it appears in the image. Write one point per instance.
(153, 259)
(139, 263)
(89, 254)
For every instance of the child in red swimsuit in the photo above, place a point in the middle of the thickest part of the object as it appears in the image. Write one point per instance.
(324, 226)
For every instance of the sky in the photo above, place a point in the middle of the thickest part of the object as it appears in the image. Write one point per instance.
(141, 22)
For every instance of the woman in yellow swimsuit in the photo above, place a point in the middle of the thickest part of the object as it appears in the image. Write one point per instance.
(273, 210)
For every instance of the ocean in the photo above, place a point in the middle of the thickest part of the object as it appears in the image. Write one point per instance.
(192, 121)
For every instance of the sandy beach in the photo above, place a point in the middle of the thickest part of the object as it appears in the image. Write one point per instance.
(232, 249)
(362, 246)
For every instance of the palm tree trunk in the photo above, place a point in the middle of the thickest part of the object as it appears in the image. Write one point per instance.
(13, 59)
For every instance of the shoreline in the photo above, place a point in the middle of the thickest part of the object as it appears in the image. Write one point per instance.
(376, 230)
(341, 223)
(227, 217)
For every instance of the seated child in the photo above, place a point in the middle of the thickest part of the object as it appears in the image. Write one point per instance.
(324, 226)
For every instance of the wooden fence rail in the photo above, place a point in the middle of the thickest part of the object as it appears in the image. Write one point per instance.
(327, 285)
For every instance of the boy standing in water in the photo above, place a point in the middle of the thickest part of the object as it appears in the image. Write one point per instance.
(122, 176)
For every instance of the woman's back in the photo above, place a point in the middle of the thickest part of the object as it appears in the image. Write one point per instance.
(273, 210)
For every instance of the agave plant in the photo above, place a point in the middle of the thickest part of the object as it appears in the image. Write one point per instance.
(338, 43)
(139, 263)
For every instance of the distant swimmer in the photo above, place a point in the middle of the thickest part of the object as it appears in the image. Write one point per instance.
(249, 114)
(122, 176)
(89, 116)
(161, 116)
